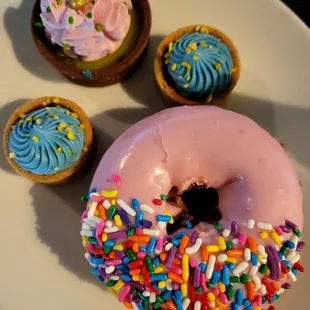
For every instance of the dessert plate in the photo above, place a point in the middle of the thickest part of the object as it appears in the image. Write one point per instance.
(42, 264)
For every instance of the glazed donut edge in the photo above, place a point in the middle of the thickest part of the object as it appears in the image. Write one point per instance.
(242, 238)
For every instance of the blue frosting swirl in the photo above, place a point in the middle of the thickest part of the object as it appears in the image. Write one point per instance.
(47, 140)
(200, 65)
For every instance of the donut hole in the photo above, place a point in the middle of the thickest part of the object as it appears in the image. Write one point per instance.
(199, 203)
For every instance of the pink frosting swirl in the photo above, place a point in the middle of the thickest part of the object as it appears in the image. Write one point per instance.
(91, 32)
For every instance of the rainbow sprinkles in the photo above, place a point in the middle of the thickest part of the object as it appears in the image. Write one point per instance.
(149, 272)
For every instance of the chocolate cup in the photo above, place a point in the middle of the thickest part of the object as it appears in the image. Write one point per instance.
(102, 77)
(171, 97)
(78, 168)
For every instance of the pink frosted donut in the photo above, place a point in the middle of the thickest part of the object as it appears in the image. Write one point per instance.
(195, 208)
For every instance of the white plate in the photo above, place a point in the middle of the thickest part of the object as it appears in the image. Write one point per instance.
(42, 264)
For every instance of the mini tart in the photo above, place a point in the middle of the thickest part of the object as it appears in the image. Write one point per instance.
(102, 77)
(63, 176)
(168, 92)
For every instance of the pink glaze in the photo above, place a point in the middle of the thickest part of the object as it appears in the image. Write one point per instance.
(83, 38)
(255, 177)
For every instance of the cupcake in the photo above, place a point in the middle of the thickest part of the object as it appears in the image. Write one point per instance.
(92, 42)
(48, 140)
(196, 65)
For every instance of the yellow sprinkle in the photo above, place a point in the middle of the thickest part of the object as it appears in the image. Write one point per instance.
(48, 100)
(158, 269)
(195, 57)
(256, 308)
(211, 296)
(259, 258)
(167, 62)
(67, 129)
(209, 98)
(56, 117)
(231, 260)
(84, 240)
(118, 221)
(275, 238)
(82, 126)
(197, 28)
(35, 139)
(167, 55)
(74, 115)
(178, 40)
(109, 194)
(50, 114)
(29, 119)
(113, 202)
(263, 235)
(162, 284)
(222, 287)
(118, 247)
(193, 46)
(59, 150)
(218, 66)
(21, 121)
(233, 70)
(172, 219)
(188, 50)
(170, 47)
(185, 267)
(221, 243)
(58, 107)
(61, 126)
(44, 103)
(111, 290)
(136, 278)
(47, 108)
(203, 44)
(85, 149)
(104, 237)
(213, 248)
(97, 213)
(22, 115)
(204, 30)
(174, 67)
(68, 112)
(186, 85)
(184, 289)
(188, 78)
(70, 135)
(12, 155)
(118, 285)
(267, 272)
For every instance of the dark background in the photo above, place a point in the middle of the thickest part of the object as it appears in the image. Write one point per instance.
(301, 8)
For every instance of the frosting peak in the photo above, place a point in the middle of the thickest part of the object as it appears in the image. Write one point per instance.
(89, 29)
(200, 65)
(47, 140)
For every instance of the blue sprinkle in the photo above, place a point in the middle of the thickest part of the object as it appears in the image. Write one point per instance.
(294, 270)
(126, 260)
(120, 267)
(139, 218)
(178, 295)
(93, 190)
(274, 297)
(140, 307)
(280, 255)
(175, 242)
(94, 233)
(97, 261)
(143, 249)
(231, 266)
(88, 74)
(248, 308)
(246, 302)
(163, 218)
(151, 246)
(234, 306)
(239, 297)
(159, 277)
(177, 298)
(109, 243)
(188, 224)
(180, 235)
(125, 277)
(203, 267)
(156, 261)
(166, 295)
(135, 204)
(215, 277)
(290, 244)
(95, 271)
(225, 275)
(286, 263)
(254, 260)
(99, 278)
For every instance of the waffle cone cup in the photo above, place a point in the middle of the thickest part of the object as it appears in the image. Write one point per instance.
(68, 174)
(101, 77)
(168, 92)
